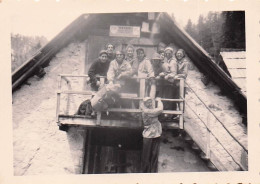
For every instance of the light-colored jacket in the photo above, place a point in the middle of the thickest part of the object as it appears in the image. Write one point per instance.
(134, 64)
(116, 69)
(182, 68)
(145, 68)
(152, 126)
(169, 66)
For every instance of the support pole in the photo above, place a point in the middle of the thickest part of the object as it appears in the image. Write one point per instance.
(208, 136)
(181, 103)
(58, 100)
(142, 90)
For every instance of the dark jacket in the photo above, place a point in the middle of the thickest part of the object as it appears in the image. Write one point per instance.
(97, 68)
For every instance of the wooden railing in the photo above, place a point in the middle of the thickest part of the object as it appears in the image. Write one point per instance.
(142, 89)
(210, 120)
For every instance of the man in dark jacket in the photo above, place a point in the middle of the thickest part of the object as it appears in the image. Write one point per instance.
(98, 68)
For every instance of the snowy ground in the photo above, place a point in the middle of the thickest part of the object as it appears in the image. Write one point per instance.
(40, 148)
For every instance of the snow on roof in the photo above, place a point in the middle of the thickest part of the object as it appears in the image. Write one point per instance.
(236, 64)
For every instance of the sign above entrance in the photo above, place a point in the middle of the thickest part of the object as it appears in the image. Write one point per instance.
(124, 31)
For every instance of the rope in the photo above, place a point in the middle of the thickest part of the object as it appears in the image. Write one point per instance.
(217, 118)
(216, 138)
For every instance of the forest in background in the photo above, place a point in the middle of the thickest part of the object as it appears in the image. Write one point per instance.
(216, 31)
(24, 47)
(219, 31)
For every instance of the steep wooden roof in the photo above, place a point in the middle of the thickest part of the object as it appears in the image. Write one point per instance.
(83, 25)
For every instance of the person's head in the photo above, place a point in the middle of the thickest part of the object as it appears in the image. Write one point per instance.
(82, 108)
(120, 56)
(161, 46)
(162, 54)
(103, 56)
(156, 59)
(130, 51)
(140, 54)
(110, 48)
(148, 102)
(180, 54)
(168, 52)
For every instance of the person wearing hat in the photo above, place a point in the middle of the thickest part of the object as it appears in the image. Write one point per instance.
(98, 68)
(145, 69)
(169, 71)
(156, 61)
(169, 66)
(119, 69)
(151, 134)
(110, 51)
(182, 64)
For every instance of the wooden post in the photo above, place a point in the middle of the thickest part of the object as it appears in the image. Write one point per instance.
(181, 103)
(98, 118)
(142, 90)
(208, 136)
(68, 96)
(58, 100)
(102, 81)
(87, 162)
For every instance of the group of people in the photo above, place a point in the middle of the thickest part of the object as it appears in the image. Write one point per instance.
(121, 69)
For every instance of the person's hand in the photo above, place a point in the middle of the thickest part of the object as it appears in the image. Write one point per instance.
(161, 74)
(158, 98)
(98, 83)
(177, 77)
(171, 80)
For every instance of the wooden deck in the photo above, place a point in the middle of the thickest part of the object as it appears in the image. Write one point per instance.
(77, 120)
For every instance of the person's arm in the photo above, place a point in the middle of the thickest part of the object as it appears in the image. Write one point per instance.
(149, 68)
(127, 70)
(156, 111)
(173, 68)
(111, 72)
(184, 73)
(135, 67)
(92, 72)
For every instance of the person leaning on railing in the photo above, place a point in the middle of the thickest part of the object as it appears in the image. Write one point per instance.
(98, 68)
(119, 69)
(182, 70)
(169, 71)
(145, 69)
(110, 51)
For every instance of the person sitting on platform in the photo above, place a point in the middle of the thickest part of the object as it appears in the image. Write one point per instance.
(145, 69)
(110, 51)
(98, 68)
(151, 135)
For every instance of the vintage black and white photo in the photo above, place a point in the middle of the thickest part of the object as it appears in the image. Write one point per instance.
(133, 92)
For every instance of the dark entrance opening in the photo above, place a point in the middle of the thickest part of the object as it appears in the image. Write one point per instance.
(113, 151)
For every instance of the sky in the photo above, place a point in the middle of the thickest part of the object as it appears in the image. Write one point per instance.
(47, 18)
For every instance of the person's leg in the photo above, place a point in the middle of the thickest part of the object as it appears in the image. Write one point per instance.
(155, 154)
(146, 155)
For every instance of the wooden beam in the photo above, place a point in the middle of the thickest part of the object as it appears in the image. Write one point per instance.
(106, 123)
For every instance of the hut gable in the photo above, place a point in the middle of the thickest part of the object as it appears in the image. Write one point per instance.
(209, 89)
